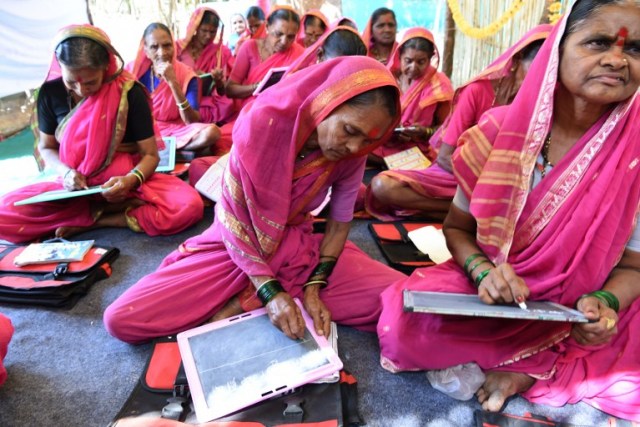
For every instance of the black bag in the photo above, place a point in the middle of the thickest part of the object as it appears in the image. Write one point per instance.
(397, 248)
(57, 285)
(163, 391)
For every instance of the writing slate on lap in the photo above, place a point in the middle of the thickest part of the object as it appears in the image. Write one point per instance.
(232, 351)
(471, 305)
(257, 362)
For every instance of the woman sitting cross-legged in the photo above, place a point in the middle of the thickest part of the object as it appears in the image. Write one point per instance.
(428, 192)
(426, 93)
(546, 210)
(175, 92)
(316, 134)
(96, 128)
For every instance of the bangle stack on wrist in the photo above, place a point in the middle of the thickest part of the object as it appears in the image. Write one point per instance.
(268, 290)
(606, 297)
(183, 105)
(139, 175)
(321, 273)
(472, 262)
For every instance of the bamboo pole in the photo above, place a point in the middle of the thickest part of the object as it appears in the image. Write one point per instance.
(449, 44)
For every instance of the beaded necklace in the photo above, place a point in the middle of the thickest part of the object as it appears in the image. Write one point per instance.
(545, 157)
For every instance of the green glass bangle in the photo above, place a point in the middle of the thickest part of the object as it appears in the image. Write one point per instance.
(470, 258)
(609, 299)
(479, 263)
(322, 271)
(481, 276)
(268, 290)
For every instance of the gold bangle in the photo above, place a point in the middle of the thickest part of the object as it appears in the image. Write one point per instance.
(183, 103)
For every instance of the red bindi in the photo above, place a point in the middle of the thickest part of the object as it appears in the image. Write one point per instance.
(79, 79)
(622, 36)
(374, 133)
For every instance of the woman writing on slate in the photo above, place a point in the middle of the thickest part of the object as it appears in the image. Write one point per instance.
(316, 135)
(96, 128)
(546, 209)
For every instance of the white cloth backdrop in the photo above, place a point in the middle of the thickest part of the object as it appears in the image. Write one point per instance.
(26, 30)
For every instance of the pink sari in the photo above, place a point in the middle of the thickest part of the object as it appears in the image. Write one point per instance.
(213, 108)
(6, 331)
(420, 101)
(470, 101)
(164, 105)
(583, 210)
(262, 224)
(89, 139)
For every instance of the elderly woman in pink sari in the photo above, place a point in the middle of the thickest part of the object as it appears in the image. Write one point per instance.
(6, 330)
(204, 51)
(428, 192)
(316, 133)
(546, 209)
(175, 92)
(426, 93)
(96, 128)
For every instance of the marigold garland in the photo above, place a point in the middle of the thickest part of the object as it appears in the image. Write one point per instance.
(487, 31)
(555, 12)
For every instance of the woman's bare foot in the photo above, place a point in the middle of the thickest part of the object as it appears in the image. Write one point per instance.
(231, 308)
(499, 386)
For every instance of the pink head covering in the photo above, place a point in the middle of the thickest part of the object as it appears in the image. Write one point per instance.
(394, 62)
(310, 57)
(258, 201)
(501, 66)
(192, 28)
(337, 23)
(312, 13)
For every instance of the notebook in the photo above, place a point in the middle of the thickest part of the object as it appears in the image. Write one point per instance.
(45, 253)
(411, 159)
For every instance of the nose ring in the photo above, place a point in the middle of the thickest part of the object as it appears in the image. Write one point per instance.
(625, 60)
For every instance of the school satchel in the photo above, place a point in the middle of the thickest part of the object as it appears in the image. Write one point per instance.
(163, 391)
(58, 285)
(393, 240)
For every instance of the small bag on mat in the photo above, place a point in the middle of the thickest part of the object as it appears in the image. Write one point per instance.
(163, 391)
(397, 248)
(57, 285)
